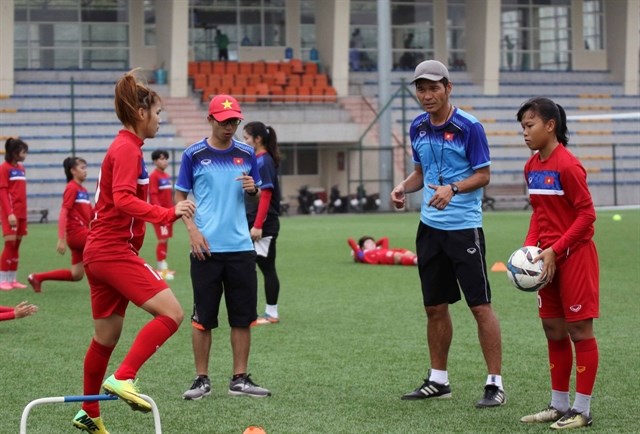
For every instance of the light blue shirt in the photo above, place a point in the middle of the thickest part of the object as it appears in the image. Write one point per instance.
(211, 174)
(450, 152)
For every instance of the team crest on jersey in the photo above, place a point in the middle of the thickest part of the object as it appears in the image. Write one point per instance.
(448, 136)
(238, 160)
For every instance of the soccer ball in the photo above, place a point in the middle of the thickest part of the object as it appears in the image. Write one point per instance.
(523, 273)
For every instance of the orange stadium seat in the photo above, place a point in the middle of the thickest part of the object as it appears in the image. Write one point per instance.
(311, 68)
(276, 93)
(294, 80)
(280, 78)
(250, 94)
(259, 67)
(204, 67)
(308, 80)
(296, 66)
(321, 80)
(218, 67)
(199, 81)
(193, 68)
(330, 94)
(231, 67)
(290, 94)
(272, 67)
(245, 68)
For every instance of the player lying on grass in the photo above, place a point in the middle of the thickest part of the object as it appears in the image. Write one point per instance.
(369, 251)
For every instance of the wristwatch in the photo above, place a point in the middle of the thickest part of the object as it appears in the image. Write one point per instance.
(454, 188)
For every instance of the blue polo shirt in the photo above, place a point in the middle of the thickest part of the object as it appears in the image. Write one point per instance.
(450, 152)
(211, 175)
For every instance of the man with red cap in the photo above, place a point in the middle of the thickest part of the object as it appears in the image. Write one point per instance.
(218, 170)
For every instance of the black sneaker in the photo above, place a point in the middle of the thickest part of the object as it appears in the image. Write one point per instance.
(200, 388)
(429, 389)
(244, 386)
(493, 397)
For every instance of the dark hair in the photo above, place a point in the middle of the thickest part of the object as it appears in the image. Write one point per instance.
(13, 147)
(71, 163)
(547, 110)
(130, 95)
(362, 240)
(269, 138)
(159, 153)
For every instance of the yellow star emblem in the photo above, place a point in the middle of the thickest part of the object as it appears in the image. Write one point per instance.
(227, 104)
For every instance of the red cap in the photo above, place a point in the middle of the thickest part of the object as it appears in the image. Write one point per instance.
(223, 107)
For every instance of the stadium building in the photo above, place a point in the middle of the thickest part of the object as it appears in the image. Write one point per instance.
(330, 76)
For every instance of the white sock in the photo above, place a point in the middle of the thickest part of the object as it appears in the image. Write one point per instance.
(11, 277)
(162, 265)
(582, 403)
(560, 400)
(3, 276)
(271, 310)
(495, 380)
(440, 377)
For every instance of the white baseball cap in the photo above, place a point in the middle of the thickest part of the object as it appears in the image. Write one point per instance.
(430, 70)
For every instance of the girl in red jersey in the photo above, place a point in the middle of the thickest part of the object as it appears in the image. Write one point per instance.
(21, 310)
(562, 225)
(73, 225)
(161, 194)
(369, 251)
(116, 274)
(13, 210)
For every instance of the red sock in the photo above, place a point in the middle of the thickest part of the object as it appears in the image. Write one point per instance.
(95, 366)
(64, 275)
(560, 363)
(8, 254)
(149, 339)
(16, 255)
(161, 251)
(586, 365)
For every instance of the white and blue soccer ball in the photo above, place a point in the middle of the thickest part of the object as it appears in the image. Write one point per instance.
(523, 273)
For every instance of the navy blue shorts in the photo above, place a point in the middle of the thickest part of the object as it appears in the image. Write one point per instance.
(451, 262)
(231, 274)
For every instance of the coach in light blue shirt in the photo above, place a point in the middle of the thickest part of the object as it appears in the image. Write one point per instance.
(452, 165)
(218, 170)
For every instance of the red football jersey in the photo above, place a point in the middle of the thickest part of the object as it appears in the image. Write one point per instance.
(76, 200)
(115, 232)
(13, 178)
(160, 189)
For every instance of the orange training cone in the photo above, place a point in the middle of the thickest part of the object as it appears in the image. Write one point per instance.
(254, 430)
(499, 266)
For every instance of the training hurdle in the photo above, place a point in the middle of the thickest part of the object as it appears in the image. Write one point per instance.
(81, 398)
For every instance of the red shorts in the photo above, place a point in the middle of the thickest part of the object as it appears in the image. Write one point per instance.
(76, 241)
(20, 229)
(117, 282)
(575, 290)
(163, 231)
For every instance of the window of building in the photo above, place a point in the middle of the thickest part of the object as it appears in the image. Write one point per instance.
(298, 159)
(593, 24)
(411, 32)
(150, 23)
(455, 34)
(71, 34)
(307, 27)
(536, 36)
(245, 22)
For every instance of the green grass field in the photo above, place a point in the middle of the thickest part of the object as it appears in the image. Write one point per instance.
(351, 341)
